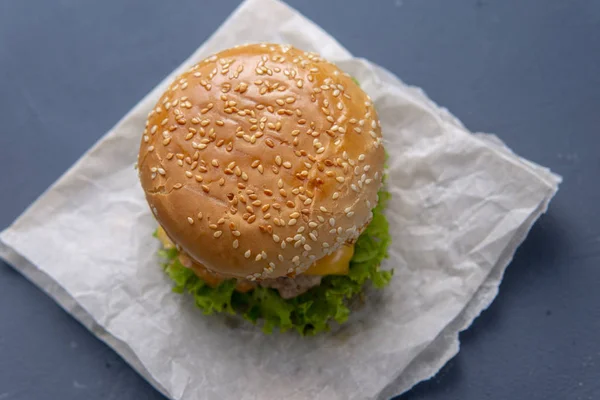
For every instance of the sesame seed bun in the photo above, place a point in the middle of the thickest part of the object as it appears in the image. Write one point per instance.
(262, 159)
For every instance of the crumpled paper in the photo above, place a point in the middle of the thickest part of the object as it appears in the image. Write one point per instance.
(461, 205)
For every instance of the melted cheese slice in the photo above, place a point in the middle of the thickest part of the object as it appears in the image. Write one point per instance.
(337, 263)
(164, 239)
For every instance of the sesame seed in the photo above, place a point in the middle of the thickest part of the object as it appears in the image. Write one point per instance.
(340, 179)
(353, 187)
(297, 237)
(190, 220)
(205, 188)
(332, 221)
(292, 222)
(161, 171)
(247, 254)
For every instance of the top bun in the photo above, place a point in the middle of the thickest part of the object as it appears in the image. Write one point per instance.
(262, 159)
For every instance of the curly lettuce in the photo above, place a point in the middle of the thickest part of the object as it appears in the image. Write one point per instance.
(311, 312)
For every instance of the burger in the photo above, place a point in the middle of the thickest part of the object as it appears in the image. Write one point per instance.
(264, 166)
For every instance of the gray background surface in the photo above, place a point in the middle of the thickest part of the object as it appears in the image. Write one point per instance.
(526, 70)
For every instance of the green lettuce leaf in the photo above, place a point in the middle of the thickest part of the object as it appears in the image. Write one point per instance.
(311, 312)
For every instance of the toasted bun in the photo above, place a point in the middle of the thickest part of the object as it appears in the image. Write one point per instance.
(262, 159)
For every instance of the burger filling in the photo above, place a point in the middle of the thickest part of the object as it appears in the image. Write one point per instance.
(337, 263)
(308, 302)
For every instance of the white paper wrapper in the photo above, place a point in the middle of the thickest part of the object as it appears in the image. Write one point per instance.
(462, 203)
